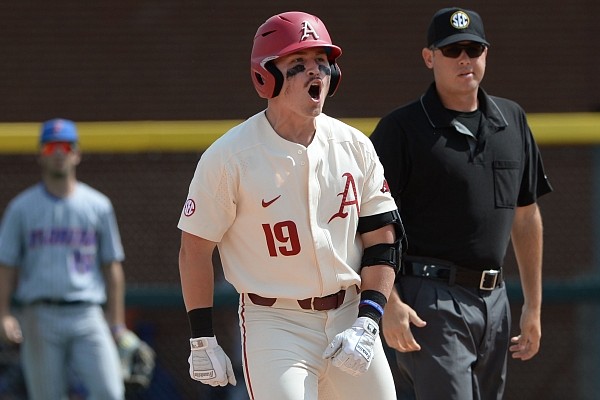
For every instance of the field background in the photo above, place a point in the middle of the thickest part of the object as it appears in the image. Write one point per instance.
(153, 83)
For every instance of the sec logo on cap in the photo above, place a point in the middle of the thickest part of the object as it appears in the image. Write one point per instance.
(460, 20)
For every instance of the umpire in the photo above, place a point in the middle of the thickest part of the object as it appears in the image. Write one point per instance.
(466, 173)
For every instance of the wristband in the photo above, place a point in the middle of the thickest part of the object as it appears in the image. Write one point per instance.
(372, 304)
(200, 320)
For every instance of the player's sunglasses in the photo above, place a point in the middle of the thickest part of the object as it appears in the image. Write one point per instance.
(454, 50)
(53, 147)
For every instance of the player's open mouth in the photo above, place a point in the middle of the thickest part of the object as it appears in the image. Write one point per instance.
(314, 90)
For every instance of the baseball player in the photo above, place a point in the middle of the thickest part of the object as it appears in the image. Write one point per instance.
(60, 255)
(308, 233)
(466, 173)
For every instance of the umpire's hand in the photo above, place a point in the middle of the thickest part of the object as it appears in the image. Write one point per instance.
(527, 344)
(396, 324)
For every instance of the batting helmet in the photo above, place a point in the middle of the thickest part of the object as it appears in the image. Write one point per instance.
(284, 34)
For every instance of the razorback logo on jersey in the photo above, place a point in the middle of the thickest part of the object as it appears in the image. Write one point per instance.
(348, 199)
(189, 207)
(385, 188)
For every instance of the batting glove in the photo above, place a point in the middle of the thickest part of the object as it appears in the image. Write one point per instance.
(208, 362)
(352, 350)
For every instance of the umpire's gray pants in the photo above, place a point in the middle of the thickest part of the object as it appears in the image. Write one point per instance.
(463, 346)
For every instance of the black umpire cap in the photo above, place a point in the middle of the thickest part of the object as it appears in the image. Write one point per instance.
(451, 25)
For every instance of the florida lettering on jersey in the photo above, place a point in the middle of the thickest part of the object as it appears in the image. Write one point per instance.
(61, 237)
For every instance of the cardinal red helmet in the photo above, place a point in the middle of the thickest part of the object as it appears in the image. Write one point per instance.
(284, 34)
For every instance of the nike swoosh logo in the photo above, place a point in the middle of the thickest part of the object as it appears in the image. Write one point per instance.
(266, 204)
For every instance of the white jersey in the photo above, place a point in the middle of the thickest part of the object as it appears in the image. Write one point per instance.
(60, 244)
(285, 216)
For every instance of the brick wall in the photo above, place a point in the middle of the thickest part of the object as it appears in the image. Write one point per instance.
(153, 60)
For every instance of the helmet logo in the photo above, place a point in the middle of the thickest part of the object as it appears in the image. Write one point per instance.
(307, 29)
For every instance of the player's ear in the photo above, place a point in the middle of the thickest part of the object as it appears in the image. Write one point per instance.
(76, 150)
(427, 57)
(77, 155)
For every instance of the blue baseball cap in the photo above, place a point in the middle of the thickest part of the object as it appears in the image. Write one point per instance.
(59, 130)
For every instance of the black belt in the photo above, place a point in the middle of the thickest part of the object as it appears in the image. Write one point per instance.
(59, 302)
(488, 279)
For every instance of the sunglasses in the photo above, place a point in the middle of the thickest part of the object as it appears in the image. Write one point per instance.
(473, 50)
(53, 147)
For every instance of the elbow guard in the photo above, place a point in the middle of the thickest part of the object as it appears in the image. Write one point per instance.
(383, 253)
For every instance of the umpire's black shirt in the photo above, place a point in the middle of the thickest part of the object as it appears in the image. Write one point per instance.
(457, 190)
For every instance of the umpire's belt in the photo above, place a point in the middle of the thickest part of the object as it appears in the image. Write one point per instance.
(330, 302)
(488, 279)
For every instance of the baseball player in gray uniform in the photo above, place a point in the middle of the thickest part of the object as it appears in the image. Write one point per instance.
(307, 230)
(60, 255)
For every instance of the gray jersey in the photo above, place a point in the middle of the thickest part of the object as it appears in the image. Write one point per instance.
(60, 244)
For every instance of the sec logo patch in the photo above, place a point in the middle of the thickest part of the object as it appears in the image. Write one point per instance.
(460, 20)
(189, 207)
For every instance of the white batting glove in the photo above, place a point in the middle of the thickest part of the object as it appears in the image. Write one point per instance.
(352, 350)
(208, 362)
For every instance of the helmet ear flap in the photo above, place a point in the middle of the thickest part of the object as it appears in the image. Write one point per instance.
(277, 76)
(336, 76)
